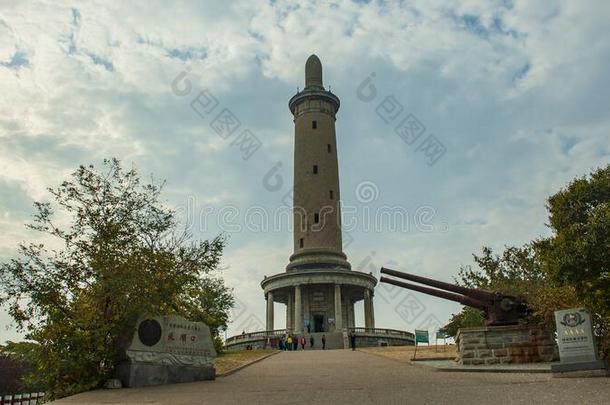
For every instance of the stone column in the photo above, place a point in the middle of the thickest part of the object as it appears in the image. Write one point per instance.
(298, 312)
(352, 315)
(305, 310)
(269, 310)
(289, 311)
(347, 314)
(338, 313)
(372, 310)
(367, 308)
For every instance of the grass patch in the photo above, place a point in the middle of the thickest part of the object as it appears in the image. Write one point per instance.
(229, 360)
(405, 353)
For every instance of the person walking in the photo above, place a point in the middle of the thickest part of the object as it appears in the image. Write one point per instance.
(303, 342)
(352, 340)
(295, 343)
(323, 342)
(311, 341)
(289, 342)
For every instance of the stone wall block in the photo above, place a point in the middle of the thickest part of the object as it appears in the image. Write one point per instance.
(500, 352)
(468, 354)
(514, 351)
(527, 351)
(506, 344)
(546, 350)
(496, 345)
(473, 362)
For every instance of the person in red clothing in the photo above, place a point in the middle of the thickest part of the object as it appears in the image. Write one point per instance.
(303, 342)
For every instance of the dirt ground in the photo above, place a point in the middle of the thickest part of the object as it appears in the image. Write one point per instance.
(405, 353)
(231, 360)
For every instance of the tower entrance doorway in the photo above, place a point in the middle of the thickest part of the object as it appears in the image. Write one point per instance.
(318, 323)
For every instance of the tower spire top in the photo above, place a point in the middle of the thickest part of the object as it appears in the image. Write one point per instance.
(313, 72)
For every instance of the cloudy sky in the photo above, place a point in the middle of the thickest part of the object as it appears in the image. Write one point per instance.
(512, 95)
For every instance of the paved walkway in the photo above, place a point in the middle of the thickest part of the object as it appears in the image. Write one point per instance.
(451, 365)
(346, 377)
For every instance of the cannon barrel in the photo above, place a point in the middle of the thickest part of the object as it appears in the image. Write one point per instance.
(464, 300)
(478, 295)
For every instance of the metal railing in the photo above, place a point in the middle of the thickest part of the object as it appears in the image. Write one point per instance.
(382, 331)
(256, 335)
(279, 332)
(31, 398)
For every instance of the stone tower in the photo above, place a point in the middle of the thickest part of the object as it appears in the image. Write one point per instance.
(318, 287)
(317, 213)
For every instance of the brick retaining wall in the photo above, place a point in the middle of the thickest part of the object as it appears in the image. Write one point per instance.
(505, 344)
(374, 341)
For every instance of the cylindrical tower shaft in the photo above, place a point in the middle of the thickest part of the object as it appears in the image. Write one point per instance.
(317, 224)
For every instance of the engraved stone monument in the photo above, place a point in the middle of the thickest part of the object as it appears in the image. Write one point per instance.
(166, 350)
(577, 349)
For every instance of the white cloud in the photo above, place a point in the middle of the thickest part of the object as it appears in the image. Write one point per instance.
(514, 90)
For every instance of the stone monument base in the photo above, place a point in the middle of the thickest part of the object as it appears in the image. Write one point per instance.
(505, 344)
(135, 375)
(583, 369)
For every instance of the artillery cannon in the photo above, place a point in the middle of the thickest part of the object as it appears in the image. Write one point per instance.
(499, 309)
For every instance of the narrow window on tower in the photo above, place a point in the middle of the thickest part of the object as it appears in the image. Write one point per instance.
(301, 242)
(331, 194)
(315, 169)
(316, 218)
(314, 124)
(328, 147)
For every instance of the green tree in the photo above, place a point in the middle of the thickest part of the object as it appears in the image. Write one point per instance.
(11, 374)
(466, 318)
(216, 302)
(115, 254)
(571, 268)
(578, 252)
(518, 271)
(19, 367)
